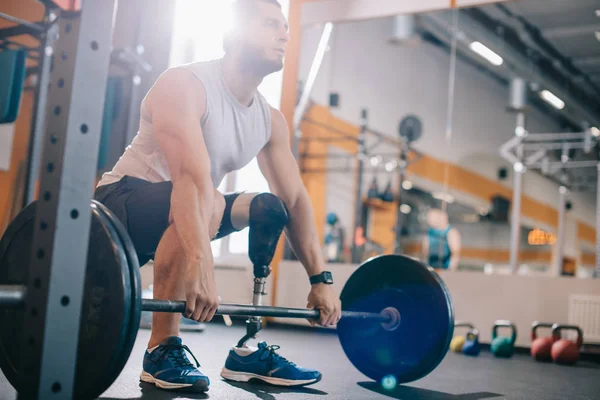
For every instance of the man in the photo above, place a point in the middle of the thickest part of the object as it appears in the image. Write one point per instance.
(442, 244)
(199, 122)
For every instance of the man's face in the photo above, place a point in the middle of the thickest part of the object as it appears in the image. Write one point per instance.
(263, 41)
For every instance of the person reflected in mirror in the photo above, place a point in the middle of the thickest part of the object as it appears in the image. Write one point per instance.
(442, 242)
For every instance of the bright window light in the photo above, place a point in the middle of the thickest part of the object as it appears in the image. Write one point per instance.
(486, 53)
(198, 36)
(215, 245)
(552, 99)
(595, 132)
(248, 179)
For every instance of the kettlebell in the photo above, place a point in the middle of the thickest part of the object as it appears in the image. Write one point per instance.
(457, 342)
(503, 346)
(565, 351)
(541, 346)
(373, 192)
(388, 194)
(471, 346)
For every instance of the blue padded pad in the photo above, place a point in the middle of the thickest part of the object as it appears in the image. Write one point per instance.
(12, 78)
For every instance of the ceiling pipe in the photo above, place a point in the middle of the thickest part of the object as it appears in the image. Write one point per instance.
(515, 63)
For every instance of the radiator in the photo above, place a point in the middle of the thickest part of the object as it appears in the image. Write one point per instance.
(584, 311)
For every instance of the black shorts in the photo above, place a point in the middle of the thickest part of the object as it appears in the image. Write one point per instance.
(143, 208)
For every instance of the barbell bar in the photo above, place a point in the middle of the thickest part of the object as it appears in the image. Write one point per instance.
(14, 296)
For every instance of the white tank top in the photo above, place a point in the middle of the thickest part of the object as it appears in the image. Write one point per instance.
(234, 134)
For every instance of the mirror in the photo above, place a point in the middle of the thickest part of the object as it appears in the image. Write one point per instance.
(454, 71)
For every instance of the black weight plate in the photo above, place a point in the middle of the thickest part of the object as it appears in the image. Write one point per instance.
(136, 289)
(106, 310)
(420, 342)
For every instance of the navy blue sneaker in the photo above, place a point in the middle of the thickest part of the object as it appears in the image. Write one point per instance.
(169, 368)
(266, 365)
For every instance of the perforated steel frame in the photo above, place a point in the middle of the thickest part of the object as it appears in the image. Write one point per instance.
(68, 171)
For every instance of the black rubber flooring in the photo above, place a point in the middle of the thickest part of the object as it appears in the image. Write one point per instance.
(458, 377)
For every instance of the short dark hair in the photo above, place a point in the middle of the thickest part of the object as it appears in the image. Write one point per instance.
(241, 10)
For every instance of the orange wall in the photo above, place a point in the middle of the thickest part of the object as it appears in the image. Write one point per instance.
(490, 255)
(586, 233)
(588, 259)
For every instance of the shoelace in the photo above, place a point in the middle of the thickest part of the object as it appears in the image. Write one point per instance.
(271, 355)
(177, 354)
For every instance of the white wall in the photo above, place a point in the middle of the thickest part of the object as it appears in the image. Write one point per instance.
(392, 81)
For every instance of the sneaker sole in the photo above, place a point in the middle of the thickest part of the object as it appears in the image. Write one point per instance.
(198, 386)
(246, 376)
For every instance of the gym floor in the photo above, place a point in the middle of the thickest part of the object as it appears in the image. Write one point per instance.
(457, 377)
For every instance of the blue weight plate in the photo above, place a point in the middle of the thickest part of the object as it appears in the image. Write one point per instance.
(423, 336)
(106, 308)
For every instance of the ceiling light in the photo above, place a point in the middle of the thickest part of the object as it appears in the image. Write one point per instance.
(407, 185)
(595, 131)
(552, 99)
(486, 53)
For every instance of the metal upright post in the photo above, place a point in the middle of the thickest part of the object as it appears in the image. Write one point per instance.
(60, 240)
(39, 110)
(515, 224)
(399, 215)
(361, 155)
(560, 240)
(518, 103)
(598, 222)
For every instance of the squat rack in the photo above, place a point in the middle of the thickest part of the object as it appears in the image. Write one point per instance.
(529, 151)
(46, 32)
(71, 95)
(401, 159)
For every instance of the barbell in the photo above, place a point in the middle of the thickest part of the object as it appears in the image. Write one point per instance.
(397, 316)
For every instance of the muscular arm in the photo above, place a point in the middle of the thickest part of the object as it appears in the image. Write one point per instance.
(279, 167)
(177, 102)
(455, 245)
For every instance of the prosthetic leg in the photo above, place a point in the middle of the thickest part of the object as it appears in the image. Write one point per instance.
(268, 218)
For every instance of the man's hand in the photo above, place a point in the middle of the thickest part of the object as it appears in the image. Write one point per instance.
(322, 298)
(201, 296)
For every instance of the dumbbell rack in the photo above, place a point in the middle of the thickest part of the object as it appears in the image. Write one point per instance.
(71, 139)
